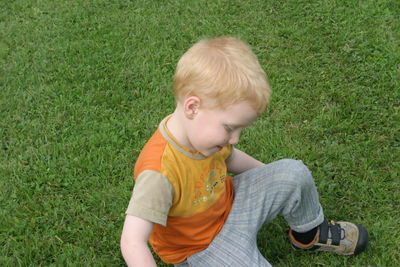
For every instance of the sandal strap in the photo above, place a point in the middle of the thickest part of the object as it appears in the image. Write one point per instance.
(323, 232)
(335, 231)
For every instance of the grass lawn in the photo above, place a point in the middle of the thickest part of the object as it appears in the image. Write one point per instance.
(83, 85)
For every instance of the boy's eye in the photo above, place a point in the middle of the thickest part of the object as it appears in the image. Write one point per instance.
(227, 128)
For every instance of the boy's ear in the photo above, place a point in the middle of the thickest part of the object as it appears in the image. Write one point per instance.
(191, 106)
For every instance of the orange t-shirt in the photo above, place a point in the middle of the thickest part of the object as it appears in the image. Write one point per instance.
(186, 195)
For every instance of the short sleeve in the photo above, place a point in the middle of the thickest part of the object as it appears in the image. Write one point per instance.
(151, 198)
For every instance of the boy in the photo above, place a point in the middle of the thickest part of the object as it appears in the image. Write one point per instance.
(185, 203)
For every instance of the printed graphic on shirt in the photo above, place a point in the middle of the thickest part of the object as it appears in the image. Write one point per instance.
(210, 179)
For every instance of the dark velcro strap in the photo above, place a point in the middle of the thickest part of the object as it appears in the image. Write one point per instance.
(323, 232)
(335, 231)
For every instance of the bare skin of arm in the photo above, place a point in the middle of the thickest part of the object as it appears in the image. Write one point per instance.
(241, 162)
(134, 238)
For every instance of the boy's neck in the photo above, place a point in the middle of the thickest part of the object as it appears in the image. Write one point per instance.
(175, 125)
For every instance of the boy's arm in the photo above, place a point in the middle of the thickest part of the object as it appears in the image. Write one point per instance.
(134, 238)
(240, 162)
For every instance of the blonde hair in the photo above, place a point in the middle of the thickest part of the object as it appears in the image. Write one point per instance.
(224, 70)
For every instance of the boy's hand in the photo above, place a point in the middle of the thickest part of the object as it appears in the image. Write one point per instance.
(240, 162)
(134, 238)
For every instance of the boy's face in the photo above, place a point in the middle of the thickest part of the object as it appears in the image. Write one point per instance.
(212, 129)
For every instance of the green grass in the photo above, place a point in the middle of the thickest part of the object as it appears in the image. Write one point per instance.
(83, 84)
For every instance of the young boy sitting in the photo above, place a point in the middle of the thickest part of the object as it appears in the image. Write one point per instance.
(185, 203)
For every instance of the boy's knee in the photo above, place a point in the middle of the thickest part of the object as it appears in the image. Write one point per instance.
(298, 172)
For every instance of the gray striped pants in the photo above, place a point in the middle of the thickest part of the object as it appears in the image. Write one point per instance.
(285, 188)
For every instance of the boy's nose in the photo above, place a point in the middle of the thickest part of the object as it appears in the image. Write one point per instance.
(234, 139)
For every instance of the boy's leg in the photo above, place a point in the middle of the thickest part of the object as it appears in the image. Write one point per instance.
(283, 188)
